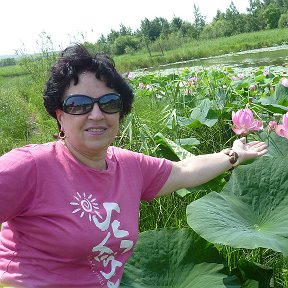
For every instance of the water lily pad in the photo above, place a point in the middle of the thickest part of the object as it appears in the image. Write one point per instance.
(176, 258)
(250, 212)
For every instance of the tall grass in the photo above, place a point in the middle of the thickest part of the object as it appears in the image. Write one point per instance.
(12, 71)
(23, 118)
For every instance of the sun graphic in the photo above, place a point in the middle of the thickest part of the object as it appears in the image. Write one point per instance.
(85, 204)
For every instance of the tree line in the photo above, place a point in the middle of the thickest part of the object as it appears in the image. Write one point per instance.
(260, 15)
(7, 62)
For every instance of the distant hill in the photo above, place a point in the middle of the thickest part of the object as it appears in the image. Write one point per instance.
(8, 56)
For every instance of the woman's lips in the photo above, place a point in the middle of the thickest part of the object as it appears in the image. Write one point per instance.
(96, 130)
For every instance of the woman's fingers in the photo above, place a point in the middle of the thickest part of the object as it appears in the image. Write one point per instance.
(256, 145)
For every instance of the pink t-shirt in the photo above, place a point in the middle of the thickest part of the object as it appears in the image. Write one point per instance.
(68, 225)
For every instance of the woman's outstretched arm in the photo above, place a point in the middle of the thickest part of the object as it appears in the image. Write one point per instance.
(200, 169)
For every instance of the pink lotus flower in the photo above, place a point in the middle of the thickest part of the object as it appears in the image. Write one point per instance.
(240, 76)
(253, 87)
(141, 85)
(282, 129)
(192, 80)
(244, 122)
(272, 125)
(284, 82)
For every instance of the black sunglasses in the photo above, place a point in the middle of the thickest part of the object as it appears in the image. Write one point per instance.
(81, 104)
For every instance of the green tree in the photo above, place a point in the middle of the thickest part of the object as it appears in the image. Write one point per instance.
(176, 24)
(102, 45)
(125, 30)
(7, 62)
(272, 15)
(186, 29)
(219, 16)
(283, 4)
(233, 21)
(215, 29)
(254, 19)
(152, 29)
(199, 22)
(124, 44)
(112, 36)
(267, 2)
(283, 21)
(254, 6)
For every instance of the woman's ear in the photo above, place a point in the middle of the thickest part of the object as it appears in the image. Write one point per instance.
(59, 114)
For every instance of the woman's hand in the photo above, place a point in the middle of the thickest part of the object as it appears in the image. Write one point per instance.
(249, 150)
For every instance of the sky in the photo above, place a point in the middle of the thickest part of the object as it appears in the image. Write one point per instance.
(67, 21)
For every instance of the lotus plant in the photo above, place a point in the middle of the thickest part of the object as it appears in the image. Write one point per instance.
(282, 129)
(192, 80)
(244, 122)
(240, 76)
(272, 125)
(284, 82)
(253, 87)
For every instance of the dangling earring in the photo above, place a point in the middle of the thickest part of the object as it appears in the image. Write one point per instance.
(61, 135)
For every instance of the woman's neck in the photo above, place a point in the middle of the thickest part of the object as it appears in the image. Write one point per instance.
(95, 161)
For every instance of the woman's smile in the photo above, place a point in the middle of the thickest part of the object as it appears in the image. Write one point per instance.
(96, 130)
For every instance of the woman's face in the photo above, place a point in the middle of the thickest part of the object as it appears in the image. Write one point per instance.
(90, 134)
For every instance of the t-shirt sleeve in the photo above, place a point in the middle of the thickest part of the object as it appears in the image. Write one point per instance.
(17, 181)
(155, 172)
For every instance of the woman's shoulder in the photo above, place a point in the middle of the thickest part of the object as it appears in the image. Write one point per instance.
(119, 153)
(126, 155)
(30, 151)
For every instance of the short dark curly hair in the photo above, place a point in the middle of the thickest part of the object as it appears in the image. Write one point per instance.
(75, 60)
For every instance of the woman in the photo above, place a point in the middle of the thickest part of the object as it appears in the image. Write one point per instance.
(70, 208)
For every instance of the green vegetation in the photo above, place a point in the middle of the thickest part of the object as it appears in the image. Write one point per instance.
(11, 71)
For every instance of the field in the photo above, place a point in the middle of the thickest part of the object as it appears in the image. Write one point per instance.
(174, 116)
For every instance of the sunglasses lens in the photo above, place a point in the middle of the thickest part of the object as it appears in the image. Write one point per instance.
(110, 103)
(82, 104)
(78, 105)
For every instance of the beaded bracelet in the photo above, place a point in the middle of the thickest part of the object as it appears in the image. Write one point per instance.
(233, 156)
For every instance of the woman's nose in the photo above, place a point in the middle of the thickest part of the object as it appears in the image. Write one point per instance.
(96, 113)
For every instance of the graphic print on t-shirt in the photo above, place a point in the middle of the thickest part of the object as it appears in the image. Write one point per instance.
(103, 254)
(85, 205)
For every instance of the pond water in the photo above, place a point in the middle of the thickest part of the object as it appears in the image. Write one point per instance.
(276, 56)
(267, 57)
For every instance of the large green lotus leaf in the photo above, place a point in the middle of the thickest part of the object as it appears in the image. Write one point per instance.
(250, 212)
(171, 148)
(277, 146)
(204, 114)
(278, 101)
(176, 258)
